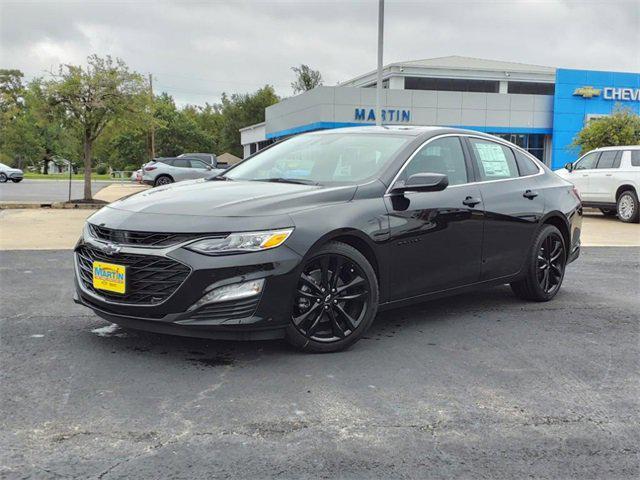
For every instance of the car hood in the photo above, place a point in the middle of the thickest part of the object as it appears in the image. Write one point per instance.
(217, 206)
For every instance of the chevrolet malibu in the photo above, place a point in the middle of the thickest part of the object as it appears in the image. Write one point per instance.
(308, 239)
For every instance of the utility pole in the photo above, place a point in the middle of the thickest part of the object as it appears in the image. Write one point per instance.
(380, 45)
(153, 128)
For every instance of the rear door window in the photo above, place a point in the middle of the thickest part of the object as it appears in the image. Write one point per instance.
(182, 163)
(494, 161)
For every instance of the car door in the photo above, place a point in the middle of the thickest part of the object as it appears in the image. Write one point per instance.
(200, 169)
(602, 180)
(435, 237)
(581, 173)
(512, 204)
(181, 169)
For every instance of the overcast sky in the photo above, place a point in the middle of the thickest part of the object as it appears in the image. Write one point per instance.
(199, 49)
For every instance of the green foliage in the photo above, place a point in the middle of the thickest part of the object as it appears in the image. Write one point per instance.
(306, 78)
(101, 169)
(622, 127)
(91, 98)
(239, 111)
(103, 114)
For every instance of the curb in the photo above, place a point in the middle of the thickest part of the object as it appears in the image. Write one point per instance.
(54, 205)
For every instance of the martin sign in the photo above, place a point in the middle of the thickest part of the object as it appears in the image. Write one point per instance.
(388, 115)
(624, 94)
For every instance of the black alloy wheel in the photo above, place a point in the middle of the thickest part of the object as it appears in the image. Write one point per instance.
(550, 264)
(544, 268)
(335, 301)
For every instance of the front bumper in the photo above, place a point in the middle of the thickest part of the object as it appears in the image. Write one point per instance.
(263, 317)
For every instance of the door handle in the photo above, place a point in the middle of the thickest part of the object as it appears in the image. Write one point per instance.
(530, 194)
(608, 174)
(471, 201)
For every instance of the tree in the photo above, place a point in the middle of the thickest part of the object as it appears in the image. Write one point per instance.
(93, 97)
(306, 78)
(239, 111)
(622, 127)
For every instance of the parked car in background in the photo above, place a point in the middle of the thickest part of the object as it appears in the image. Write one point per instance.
(608, 178)
(137, 176)
(310, 236)
(10, 173)
(162, 171)
(209, 158)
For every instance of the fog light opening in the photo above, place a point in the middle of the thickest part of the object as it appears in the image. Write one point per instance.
(235, 291)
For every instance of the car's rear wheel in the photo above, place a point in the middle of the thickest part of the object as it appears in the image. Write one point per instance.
(544, 269)
(608, 212)
(335, 301)
(163, 180)
(628, 208)
(3, 178)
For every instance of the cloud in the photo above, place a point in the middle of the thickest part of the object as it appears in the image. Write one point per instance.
(199, 49)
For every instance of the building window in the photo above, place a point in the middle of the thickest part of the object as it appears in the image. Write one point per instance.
(385, 84)
(531, 142)
(451, 84)
(531, 88)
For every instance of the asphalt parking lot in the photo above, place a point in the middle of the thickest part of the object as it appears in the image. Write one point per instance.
(46, 190)
(478, 386)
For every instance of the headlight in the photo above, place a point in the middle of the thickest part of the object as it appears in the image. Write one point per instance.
(241, 242)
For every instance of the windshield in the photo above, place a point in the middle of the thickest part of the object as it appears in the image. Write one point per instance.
(322, 159)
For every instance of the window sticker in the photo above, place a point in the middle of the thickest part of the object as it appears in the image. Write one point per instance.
(493, 160)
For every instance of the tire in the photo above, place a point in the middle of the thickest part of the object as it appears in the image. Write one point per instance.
(16, 180)
(3, 177)
(608, 212)
(544, 267)
(331, 312)
(628, 208)
(162, 180)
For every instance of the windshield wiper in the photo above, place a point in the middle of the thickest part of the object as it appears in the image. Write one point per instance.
(299, 181)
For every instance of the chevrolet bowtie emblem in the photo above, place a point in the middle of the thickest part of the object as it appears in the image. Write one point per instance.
(111, 248)
(587, 92)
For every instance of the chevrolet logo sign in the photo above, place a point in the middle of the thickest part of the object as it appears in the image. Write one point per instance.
(587, 92)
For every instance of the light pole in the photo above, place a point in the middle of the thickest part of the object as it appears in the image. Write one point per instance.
(379, 79)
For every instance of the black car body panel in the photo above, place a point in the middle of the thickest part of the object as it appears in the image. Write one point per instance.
(420, 244)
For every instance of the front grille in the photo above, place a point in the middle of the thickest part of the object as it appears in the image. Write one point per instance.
(230, 310)
(150, 279)
(150, 239)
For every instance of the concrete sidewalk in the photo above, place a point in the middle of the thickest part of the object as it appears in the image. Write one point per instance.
(44, 229)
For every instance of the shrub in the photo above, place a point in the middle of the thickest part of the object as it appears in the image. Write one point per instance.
(101, 169)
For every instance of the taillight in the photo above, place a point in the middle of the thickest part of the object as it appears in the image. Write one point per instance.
(149, 168)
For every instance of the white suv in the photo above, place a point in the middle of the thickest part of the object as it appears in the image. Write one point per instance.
(608, 178)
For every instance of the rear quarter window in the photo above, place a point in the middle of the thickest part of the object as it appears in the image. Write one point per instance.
(635, 158)
(525, 164)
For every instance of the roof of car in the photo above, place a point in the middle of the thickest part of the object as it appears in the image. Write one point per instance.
(619, 147)
(409, 130)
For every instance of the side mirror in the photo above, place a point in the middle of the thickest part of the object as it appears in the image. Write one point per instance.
(209, 167)
(569, 166)
(422, 182)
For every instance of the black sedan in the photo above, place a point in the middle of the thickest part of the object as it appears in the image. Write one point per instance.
(310, 238)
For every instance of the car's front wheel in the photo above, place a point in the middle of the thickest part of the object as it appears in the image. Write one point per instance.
(544, 268)
(3, 178)
(628, 208)
(335, 301)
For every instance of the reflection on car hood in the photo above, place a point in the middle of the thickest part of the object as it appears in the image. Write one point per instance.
(232, 198)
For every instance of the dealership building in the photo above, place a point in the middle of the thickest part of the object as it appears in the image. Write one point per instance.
(538, 108)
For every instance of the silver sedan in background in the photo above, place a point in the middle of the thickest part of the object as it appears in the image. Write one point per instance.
(162, 171)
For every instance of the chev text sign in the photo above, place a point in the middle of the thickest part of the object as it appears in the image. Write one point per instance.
(624, 94)
(388, 115)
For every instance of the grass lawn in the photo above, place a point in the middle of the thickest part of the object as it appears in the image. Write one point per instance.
(64, 176)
